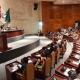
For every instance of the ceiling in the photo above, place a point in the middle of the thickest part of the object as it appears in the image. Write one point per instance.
(59, 1)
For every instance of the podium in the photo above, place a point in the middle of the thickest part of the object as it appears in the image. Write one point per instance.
(13, 33)
(3, 42)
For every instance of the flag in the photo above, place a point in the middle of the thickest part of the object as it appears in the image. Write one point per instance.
(7, 18)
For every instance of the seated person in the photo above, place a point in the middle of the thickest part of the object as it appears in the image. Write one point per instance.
(19, 74)
(55, 46)
(72, 74)
(40, 63)
(48, 50)
(24, 62)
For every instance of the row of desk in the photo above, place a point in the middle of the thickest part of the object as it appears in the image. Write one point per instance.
(48, 57)
(62, 75)
(71, 64)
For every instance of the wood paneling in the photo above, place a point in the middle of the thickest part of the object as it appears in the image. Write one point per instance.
(57, 16)
(0, 11)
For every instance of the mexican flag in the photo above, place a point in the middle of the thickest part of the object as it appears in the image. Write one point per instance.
(7, 18)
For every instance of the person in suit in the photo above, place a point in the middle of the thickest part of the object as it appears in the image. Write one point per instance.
(24, 62)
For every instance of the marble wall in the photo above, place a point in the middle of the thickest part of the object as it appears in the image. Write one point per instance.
(22, 14)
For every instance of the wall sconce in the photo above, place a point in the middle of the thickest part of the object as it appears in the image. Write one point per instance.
(40, 23)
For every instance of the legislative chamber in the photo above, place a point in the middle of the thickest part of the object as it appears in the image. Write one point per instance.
(40, 40)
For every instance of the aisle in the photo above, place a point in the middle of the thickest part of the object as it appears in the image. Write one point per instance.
(69, 47)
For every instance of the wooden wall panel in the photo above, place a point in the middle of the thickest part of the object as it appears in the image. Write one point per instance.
(45, 16)
(57, 16)
(0, 11)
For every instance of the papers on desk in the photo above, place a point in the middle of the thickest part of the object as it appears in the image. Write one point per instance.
(38, 55)
(48, 48)
(66, 72)
(73, 69)
(75, 62)
(29, 61)
(77, 56)
(14, 68)
(59, 41)
(19, 65)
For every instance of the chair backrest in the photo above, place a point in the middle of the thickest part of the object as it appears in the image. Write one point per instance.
(47, 67)
(58, 54)
(29, 71)
(64, 46)
(53, 59)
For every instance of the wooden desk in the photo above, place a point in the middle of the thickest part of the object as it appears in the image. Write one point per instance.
(58, 77)
(72, 62)
(3, 42)
(13, 33)
(65, 72)
(11, 69)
